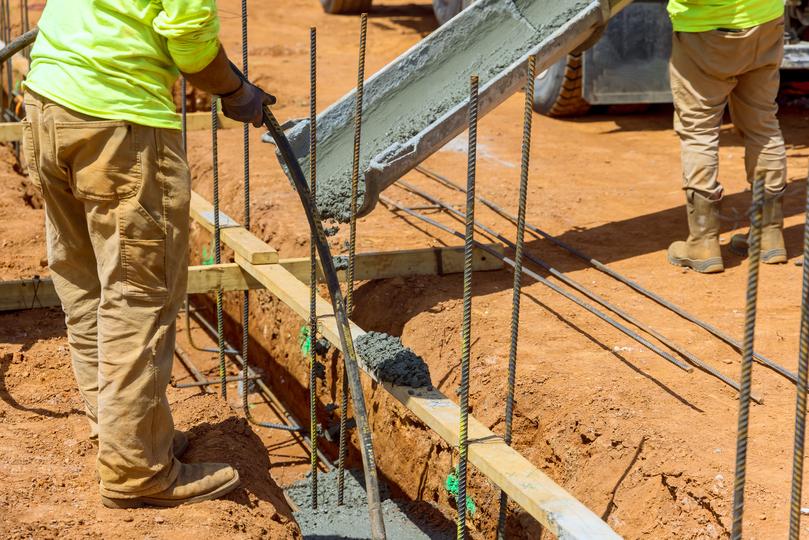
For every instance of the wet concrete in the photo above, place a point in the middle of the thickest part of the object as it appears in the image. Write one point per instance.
(392, 362)
(405, 100)
(403, 519)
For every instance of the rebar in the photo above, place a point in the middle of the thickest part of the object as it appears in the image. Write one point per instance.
(313, 258)
(800, 399)
(528, 114)
(466, 324)
(754, 254)
(217, 240)
(541, 234)
(246, 213)
(687, 355)
(262, 386)
(571, 283)
(352, 250)
(295, 174)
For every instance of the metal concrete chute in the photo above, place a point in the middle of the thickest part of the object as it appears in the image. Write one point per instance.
(418, 103)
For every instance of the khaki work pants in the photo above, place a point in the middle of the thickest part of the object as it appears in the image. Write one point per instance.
(710, 69)
(117, 213)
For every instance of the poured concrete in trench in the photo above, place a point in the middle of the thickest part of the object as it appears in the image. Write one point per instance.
(403, 519)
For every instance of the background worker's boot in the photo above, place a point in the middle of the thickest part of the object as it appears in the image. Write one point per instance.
(196, 482)
(701, 250)
(772, 234)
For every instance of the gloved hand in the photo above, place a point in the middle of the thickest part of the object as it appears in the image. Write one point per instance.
(246, 103)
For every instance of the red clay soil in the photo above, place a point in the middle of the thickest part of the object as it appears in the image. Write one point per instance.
(643, 444)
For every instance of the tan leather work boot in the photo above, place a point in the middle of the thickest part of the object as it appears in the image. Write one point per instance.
(196, 482)
(773, 250)
(700, 251)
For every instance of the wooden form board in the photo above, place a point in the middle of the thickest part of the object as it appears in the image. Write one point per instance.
(196, 121)
(19, 294)
(534, 491)
(239, 239)
(406, 262)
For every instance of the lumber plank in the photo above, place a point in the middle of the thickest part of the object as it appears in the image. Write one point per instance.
(239, 239)
(534, 491)
(19, 294)
(408, 262)
(195, 121)
(10, 131)
(27, 294)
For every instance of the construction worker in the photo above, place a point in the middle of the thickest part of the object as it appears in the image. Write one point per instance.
(102, 141)
(727, 52)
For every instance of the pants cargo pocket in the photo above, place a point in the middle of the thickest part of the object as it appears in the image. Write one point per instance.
(144, 267)
(102, 156)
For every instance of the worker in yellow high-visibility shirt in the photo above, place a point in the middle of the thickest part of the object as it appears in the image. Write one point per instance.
(727, 52)
(102, 140)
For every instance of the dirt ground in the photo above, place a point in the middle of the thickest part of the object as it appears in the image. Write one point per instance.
(645, 445)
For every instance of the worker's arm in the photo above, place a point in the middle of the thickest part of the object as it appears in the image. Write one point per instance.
(191, 28)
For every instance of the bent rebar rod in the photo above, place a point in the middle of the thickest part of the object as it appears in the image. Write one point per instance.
(18, 44)
(553, 286)
(346, 340)
(539, 233)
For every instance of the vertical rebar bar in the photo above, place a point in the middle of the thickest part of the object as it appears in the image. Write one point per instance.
(313, 258)
(800, 400)
(466, 327)
(747, 357)
(352, 250)
(528, 113)
(217, 246)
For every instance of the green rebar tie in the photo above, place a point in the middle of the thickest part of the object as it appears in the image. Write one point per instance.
(303, 341)
(451, 484)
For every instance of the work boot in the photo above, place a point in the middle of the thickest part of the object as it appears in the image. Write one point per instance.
(772, 233)
(195, 483)
(700, 251)
(180, 443)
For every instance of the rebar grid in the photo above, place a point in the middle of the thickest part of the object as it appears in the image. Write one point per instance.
(754, 255)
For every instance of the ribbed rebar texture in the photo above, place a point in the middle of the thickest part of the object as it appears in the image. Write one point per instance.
(466, 325)
(246, 293)
(313, 259)
(217, 241)
(800, 401)
(352, 250)
(541, 234)
(517, 288)
(747, 357)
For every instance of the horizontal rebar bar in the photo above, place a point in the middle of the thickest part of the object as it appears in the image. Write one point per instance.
(691, 358)
(211, 382)
(554, 287)
(539, 233)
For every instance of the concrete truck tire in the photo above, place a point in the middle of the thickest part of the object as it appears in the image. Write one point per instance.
(339, 7)
(558, 89)
(444, 10)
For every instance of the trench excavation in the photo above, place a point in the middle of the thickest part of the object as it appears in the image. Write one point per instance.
(290, 339)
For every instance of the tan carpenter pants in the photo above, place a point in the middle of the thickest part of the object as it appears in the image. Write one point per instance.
(117, 209)
(707, 70)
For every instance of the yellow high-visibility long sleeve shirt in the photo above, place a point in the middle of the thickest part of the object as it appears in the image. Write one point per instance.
(707, 15)
(118, 59)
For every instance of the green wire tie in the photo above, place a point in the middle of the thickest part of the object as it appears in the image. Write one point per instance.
(304, 342)
(451, 484)
(207, 259)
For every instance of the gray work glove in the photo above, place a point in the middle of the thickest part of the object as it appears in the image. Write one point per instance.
(246, 103)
